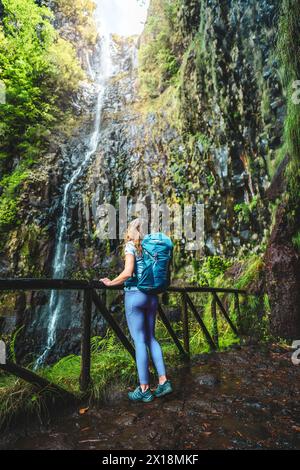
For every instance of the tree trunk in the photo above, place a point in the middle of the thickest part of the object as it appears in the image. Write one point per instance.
(283, 279)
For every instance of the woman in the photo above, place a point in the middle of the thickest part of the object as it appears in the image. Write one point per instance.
(140, 310)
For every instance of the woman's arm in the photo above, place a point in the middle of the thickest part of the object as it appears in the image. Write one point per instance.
(125, 274)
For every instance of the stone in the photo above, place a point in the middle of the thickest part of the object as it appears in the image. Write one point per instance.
(207, 379)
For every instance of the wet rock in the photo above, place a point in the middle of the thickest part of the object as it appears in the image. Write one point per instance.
(126, 419)
(173, 407)
(207, 379)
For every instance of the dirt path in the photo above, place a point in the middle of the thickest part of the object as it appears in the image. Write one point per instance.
(241, 399)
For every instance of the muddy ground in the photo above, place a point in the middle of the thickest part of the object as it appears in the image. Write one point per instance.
(246, 398)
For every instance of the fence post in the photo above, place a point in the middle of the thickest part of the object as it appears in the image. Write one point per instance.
(185, 319)
(215, 333)
(172, 333)
(85, 376)
(112, 323)
(225, 314)
(237, 310)
(201, 323)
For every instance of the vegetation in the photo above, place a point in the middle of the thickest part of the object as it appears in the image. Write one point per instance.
(110, 364)
(40, 72)
(246, 209)
(209, 270)
(79, 15)
(289, 52)
(158, 59)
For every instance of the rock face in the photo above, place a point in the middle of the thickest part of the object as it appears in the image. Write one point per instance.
(231, 115)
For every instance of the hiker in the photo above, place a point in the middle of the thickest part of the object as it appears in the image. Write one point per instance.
(140, 310)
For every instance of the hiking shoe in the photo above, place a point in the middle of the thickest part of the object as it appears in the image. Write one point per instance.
(138, 395)
(163, 389)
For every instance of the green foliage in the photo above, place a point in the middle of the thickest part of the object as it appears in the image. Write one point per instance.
(17, 397)
(254, 309)
(9, 199)
(289, 52)
(251, 269)
(8, 212)
(209, 270)
(245, 210)
(158, 60)
(296, 241)
(40, 72)
(210, 179)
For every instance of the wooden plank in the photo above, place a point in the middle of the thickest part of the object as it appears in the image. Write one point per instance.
(225, 314)
(172, 333)
(191, 289)
(238, 311)
(85, 375)
(112, 323)
(36, 380)
(70, 284)
(43, 284)
(185, 321)
(201, 323)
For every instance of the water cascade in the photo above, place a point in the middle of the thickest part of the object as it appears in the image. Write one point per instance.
(61, 247)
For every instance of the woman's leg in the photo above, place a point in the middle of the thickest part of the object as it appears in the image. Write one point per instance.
(135, 305)
(154, 346)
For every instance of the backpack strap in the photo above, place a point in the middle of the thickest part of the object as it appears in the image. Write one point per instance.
(150, 254)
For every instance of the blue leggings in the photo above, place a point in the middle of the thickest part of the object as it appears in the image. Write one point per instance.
(140, 310)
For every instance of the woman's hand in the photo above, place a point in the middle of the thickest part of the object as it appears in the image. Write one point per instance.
(125, 274)
(107, 282)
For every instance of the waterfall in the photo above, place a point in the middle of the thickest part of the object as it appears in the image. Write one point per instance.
(111, 16)
(89, 67)
(61, 247)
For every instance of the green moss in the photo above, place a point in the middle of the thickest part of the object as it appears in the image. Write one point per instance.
(158, 61)
(207, 271)
(296, 241)
(252, 268)
(9, 200)
(246, 210)
(8, 212)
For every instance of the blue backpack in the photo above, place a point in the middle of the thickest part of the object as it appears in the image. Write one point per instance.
(157, 251)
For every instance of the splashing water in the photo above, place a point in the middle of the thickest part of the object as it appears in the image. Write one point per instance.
(61, 249)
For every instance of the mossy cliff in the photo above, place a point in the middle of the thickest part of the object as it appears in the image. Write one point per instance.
(219, 77)
(220, 90)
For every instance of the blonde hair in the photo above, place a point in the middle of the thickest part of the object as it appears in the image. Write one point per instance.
(135, 233)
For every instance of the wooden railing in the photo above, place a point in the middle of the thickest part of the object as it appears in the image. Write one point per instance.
(91, 296)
